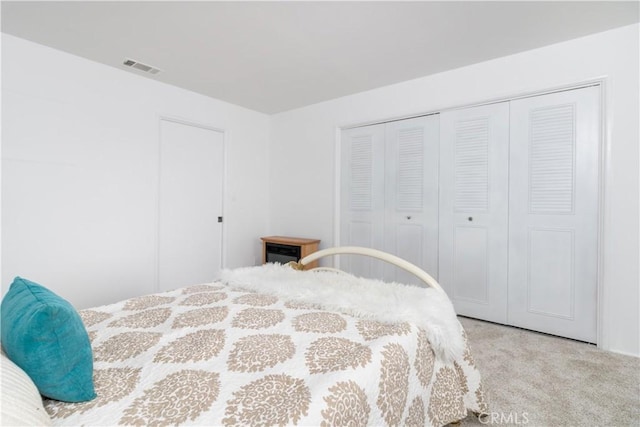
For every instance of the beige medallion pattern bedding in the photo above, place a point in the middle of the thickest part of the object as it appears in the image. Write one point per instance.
(215, 354)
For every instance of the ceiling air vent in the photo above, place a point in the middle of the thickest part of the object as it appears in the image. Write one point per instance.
(140, 66)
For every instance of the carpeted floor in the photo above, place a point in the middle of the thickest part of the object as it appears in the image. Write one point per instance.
(536, 379)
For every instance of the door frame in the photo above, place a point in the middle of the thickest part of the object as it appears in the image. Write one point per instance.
(604, 174)
(223, 238)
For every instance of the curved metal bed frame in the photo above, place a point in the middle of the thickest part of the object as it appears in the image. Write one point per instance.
(374, 253)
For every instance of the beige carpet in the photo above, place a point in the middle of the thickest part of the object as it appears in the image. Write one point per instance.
(535, 379)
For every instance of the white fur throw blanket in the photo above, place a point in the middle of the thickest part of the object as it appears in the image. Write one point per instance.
(427, 308)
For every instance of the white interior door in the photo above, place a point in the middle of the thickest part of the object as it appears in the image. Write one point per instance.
(474, 157)
(362, 197)
(191, 194)
(411, 195)
(553, 206)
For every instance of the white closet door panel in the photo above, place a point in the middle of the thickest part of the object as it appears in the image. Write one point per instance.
(550, 276)
(362, 197)
(474, 156)
(554, 213)
(359, 233)
(471, 264)
(411, 196)
(191, 192)
(410, 245)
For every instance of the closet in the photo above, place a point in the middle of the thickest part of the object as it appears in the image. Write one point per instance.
(389, 195)
(517, 210)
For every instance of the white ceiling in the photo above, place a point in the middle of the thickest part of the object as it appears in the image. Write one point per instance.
(276, 56)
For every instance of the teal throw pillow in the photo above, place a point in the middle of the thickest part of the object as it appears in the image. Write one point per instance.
(44, 335)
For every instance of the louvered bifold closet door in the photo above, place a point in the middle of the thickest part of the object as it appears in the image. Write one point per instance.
(362, 197)
(474, 158)
(553, 206)
(411, 195)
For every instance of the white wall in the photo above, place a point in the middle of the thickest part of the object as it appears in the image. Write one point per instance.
(80, 167)
(304, 150)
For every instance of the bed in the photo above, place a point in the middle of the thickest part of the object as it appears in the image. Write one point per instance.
(274, 345)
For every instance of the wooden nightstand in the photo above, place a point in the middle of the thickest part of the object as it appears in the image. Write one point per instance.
(283, 249)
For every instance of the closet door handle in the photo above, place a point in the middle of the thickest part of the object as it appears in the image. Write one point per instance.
(470, 218)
